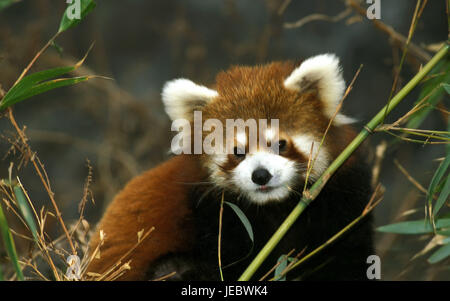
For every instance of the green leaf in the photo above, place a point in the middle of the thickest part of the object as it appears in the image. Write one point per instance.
(9, 244)
(5, 3)
(415, 227)
(282, 260)
(443, 196)
(436, 180)
(34, 79)
(440, 254)
(435, 86)
(29, 81)
(447, 88)
(243, 219)
(50, 85)
(70, 19)
(41, 82)
(26, 211)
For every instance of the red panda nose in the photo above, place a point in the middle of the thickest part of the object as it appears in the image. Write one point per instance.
(261, 176)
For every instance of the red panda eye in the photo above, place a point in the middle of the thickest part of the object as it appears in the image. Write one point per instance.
(282, 145)
(239, 152)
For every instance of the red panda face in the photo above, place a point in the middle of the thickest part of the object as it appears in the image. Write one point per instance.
(296, 104)
(263, 175)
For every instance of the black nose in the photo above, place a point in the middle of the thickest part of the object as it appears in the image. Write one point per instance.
(261, 176)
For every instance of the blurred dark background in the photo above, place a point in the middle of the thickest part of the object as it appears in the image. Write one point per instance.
(119, 125)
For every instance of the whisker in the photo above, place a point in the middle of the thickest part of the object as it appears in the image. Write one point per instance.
(293, 190)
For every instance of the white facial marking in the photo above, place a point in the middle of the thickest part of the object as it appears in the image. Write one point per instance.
(241, 138)
(270, 134)
(283, 173)
(304, 143)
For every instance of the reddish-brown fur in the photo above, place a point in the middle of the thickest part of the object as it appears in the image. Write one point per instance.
(258, 93)
(157, 198)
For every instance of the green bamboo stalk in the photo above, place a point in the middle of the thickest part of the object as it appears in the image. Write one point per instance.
(320, 183)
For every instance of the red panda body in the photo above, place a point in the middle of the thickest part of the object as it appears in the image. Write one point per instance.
(181, 198)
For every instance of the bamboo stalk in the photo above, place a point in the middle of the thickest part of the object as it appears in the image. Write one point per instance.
(320, 183)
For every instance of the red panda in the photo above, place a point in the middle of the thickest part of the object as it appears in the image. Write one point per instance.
(181, 198)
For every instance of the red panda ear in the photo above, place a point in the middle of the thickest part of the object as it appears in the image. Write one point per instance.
(181, 97)
(323, 74)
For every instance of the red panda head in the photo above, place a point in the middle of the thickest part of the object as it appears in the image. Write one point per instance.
(301, 98)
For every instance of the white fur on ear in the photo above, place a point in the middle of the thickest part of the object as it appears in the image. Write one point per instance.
(323, 73)
(182, 96)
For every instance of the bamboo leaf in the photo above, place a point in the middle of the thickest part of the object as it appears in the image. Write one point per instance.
(283, 261)
(436, 180)
(436, 84)
(440, 254)
(35, 78)
(243, 219)
(41, 82)
(437, 240)
(248, 227)
(443, 196)
(50, 85)
(26, 211)
(9, 244)
(447, 88)
(415, 227)
(70, 19)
